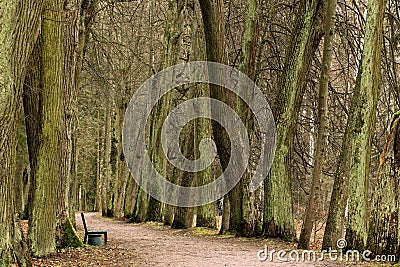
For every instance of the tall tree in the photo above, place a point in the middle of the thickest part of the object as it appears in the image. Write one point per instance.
(202, 128)
(184, 216)
(72, 50)
(107, 143)
(214, 29)
(353, 168)
(171, 46)
(48, 103)
(384, 216)
(366, 97)
(20, 22)
(47, 156)
(216, 50)
(313, 199)
(242, 209)
(306, 35)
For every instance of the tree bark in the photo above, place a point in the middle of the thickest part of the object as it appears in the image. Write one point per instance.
(353, 168)
(214, 29)
(20, 23)
(184, 216)
(311, 210)
(242, 207)
(216, 50)
(66, 235)
(98, 200)
(107, 155)
(206, 214)
(48, 161)
(384, 218)
(225, 216)
(278, 210)
(366, 97)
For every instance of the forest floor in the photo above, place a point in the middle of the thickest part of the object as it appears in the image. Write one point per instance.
(152, 244)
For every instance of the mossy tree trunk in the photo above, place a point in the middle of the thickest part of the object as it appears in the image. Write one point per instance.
(48, 157)
(206, 214)
(242, 219)
(87, 15)
(278, 210)
(310, 213)
(242, 202)
(184, 216)
(20, 23)
(354, 162)
(130, 197)
(99, 142)
(66, 235)
(216, 50)
(149, 208)
(366, 99)
(384, 217)
(48, 100)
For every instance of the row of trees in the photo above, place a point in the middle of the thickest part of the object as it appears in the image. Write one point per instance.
(73, 66)
(307, 80)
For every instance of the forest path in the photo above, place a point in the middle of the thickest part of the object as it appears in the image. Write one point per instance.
(157, 245)
(151, 244)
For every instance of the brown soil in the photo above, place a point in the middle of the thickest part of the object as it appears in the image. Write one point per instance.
(157, 245)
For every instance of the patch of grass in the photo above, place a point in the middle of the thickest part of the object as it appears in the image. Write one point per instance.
(204, 231)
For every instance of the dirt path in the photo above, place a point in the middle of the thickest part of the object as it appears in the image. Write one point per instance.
(157, 245)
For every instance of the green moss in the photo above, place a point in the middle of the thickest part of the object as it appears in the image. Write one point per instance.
(204, 231)
(259, 228)
(69, 237)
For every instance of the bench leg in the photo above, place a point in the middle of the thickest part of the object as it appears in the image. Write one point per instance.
(105, 238)
(85, 239)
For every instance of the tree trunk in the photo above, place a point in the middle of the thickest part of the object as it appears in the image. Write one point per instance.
(225, 216)
(66, 235)
(311, 210)
(366, 97)
(130, 197)
(16, 48)
(353, 169)
(107, 156)
(278, 210)
(98, 200)
(243, 212)
(171, 49)
(47, 157)
(184, 216)
(206, 214)
(42, 103)
(384, 218)
(216, 49)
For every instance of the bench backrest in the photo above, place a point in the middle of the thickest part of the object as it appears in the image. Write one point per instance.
(84, 222)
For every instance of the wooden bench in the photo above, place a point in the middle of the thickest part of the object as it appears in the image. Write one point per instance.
(95, 232)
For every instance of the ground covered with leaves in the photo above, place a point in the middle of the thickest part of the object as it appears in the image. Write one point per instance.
(153, 244)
